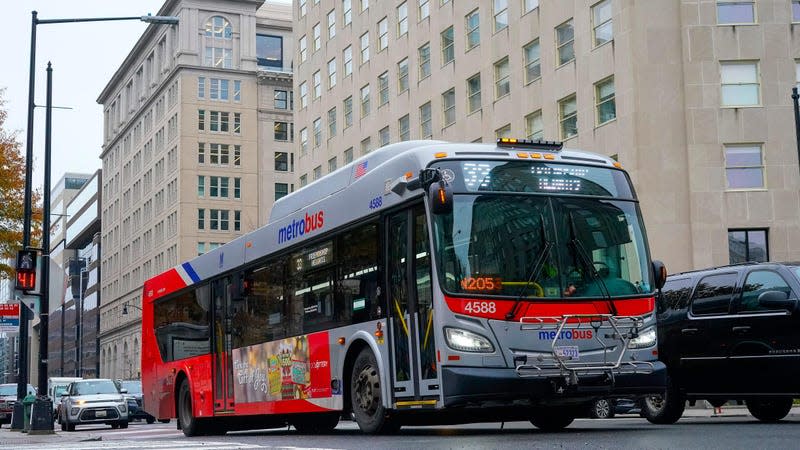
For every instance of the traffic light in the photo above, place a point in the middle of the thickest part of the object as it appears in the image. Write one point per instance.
(26, 270)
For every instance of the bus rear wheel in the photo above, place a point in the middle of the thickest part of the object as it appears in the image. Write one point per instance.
(188, 423)
(366, 398)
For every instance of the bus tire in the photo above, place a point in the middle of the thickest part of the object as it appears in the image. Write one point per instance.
(769, 409)
(188, 423)
(664, 409)
(317, 423)
(552, 420)
(366, 396)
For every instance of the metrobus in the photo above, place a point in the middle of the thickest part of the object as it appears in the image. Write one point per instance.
(425, 283)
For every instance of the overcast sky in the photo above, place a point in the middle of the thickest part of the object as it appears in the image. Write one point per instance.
(84, 57)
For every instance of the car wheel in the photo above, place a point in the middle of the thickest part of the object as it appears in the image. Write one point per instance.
(123, 424)
(70, 426)
(552, 420)
(664, 409)
(115, 425)
(150, 420)
(769, 409)
(63, 425)
(602, 409)
(366, 396)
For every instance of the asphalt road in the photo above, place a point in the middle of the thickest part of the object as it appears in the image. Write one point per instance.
(731, 432)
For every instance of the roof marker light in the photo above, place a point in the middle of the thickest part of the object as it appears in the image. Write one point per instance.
(549, 156)
(536, 155)
(618, 165)
(522, 155)
(440, 155)
(550, 146)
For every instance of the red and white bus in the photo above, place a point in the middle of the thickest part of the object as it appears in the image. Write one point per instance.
(425, 283)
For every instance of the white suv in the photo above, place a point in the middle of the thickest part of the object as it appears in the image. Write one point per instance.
(93, 401)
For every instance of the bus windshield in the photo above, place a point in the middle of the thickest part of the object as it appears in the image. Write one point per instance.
(541, 246)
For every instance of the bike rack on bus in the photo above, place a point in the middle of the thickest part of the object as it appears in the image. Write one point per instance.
(614, 347)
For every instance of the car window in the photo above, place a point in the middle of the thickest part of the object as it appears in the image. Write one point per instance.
(758, 282)
(675, 293)
(95, 387)
(713, 294)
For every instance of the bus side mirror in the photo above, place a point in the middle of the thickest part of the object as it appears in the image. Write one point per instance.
(441, 198)
(660, 273)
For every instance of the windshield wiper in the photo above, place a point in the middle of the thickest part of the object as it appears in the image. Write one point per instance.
(583, 255)
(537, 267)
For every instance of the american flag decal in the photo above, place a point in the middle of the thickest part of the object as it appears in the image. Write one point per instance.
(361, 169)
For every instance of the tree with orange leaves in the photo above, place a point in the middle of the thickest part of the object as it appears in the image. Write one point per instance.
(12, 198)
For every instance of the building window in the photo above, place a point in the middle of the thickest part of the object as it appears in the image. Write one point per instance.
(281, 131)
(201, 186)
(424, 9)
(317, 172)
(384, 135)
(425, 126)
(237, 123)
(317, 81)
(332, 165)
(332, 24)
(449, 107)
(201, 87)
(201, 153)
(201, 219)
(237, 150)
(332, 73)
(402, 75)
(402, 19)
(383, 34)
(303, 180)
(448, 51)
(603, 27)
(281, 162)
(474, 93)
(219, 220)
(317, 32)
(331, 122)
(744, 166)
(302, 7)
(533, 67)
(605, 101)
(502, 82)
(529, 5)
(364, 5)
(424, 60)
(303, 49)
(403, 128)
(281, 100)
(237, 90)
(218, 187)
(748, 245)
(237, 187)
(304, 141)
(534, 128)
(500, 15)
(269, 50)
(735, 12)
(364, 101)
(303, 94)
(568, 117)
(503, 132)
(565, 39)
(348, 155)
(219, 27)
(281, 190)
(347, 55)
(473, 27)
(201, 248)
(317, 132)
(383, 88)
(740, 86)
(219, 57)
(795, 10)
(348, 111)
(347, 12)
(365, 47)
(366, 145)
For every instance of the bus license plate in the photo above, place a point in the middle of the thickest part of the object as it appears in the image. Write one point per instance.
(569, 352)
(100, 414)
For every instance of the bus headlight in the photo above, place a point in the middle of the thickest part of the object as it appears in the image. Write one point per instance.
(644, 340)
(467, 341)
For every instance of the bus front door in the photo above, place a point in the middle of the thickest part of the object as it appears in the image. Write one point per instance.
(415, 374)
(222, 364)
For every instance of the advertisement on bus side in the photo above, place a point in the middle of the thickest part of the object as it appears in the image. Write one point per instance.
(289, 369)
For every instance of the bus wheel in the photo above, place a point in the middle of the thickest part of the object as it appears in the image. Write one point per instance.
(769, 409)
(664, 409)
(365, 396)
(317, 423)
(188, 422)
(551, 420)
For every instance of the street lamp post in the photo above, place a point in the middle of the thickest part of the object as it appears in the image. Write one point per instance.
(45, 424)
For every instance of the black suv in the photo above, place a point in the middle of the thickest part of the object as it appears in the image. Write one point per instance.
(730, 333)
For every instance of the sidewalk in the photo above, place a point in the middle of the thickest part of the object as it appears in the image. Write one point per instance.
(12, 439)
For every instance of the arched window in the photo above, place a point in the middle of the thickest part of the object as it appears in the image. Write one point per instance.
(219, 27)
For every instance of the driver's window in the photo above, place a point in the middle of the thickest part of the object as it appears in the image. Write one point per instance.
(758, 282)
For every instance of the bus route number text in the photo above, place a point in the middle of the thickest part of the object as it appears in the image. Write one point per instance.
(472, 284)
(479, 307)
(376, 203)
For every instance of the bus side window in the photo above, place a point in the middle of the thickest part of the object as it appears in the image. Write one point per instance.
(357, 276)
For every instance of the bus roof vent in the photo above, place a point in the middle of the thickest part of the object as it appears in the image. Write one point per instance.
(538, 144)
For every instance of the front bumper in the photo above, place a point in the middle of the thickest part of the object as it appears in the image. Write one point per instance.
(97, 413)
(482, 386)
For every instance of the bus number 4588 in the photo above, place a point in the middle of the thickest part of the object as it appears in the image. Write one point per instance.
(480, 307)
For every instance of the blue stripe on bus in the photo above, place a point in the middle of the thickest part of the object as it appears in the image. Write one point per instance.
(190, 271)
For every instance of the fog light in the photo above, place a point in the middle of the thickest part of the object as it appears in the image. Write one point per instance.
(74, 411)
(121, 408)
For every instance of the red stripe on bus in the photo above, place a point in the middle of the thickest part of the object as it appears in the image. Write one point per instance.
(500, 309)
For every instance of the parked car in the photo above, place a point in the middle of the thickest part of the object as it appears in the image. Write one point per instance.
(606, 408)
(134, 399)
(93, 401)
(729, 333)
(8, 398)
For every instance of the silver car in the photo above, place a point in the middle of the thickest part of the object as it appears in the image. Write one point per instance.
(93, 401)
